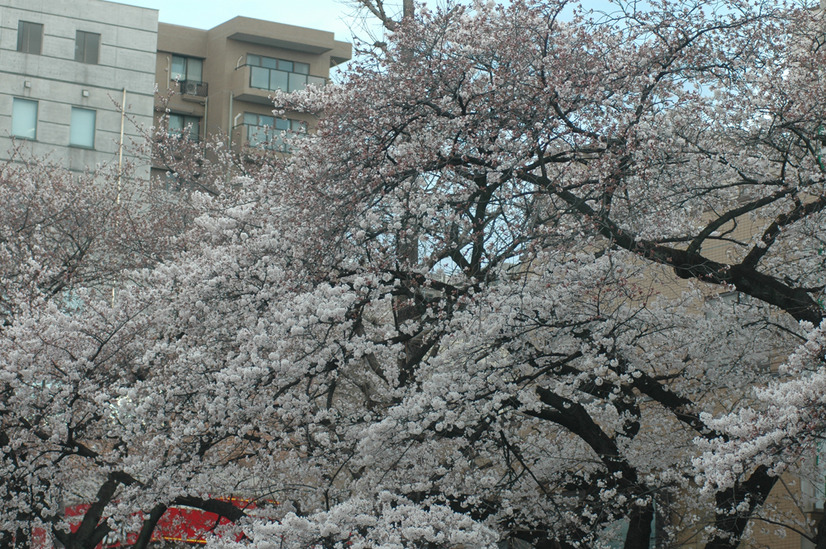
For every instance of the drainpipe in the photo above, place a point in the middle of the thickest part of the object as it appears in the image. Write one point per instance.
(229, 122)
(120, 142)
(229, 139)
(120, 162)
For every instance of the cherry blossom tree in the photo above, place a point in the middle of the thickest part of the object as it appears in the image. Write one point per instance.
(519, 143)
(68, 241)
(530, 253)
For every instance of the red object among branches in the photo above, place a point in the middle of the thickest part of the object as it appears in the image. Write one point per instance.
(181, 524)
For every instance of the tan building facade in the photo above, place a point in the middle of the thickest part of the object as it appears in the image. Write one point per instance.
(219, 81)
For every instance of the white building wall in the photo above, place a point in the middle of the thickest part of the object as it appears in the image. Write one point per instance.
(128, 43)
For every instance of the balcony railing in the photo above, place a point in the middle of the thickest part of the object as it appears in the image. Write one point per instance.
(266, 137)
(275, 79)
(193, 87)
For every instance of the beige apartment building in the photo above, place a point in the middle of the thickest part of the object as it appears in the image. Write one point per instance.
(219, 81)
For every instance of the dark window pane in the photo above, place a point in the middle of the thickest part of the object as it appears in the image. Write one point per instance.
(87, 46)
(29, 37)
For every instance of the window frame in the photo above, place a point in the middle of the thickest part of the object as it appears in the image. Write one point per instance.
(295, 75)
(187, 75)
(74, 130)
(187, 121)
(82, 49)
(24, 37)
(267, 132)
(19, 103)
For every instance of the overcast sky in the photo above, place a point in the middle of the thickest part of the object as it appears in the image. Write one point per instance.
(330, 15)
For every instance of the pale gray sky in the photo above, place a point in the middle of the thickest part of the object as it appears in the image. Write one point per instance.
(330, 15)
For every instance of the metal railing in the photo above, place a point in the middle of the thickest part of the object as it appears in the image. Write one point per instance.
(275, 79)
(193, 87)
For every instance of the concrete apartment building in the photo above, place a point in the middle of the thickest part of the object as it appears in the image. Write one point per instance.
(79, 77)
(65, 68)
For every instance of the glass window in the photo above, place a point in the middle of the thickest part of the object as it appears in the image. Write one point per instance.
(259, 78)
(24, 118)
(279, 80)
(178, 68)
(183, 68)
(82, 132)
(194, 70)
(297, 82)
(269, 132)
(258, 128)
(87, 47)
(184, 126)
(316, 80)
(29, 37)
(256, 135)
(283, 75)
(176, 124)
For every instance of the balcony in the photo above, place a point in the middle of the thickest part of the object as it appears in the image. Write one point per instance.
(265, 132)
(193, 88)
(256, 84)
(263, 78)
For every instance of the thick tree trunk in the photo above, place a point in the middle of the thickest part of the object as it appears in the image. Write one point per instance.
(149, 525)
(820, 534)
(639, 528)
(731, 524)
(405, 307)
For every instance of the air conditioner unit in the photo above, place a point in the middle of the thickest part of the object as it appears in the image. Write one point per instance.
(190, 87)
